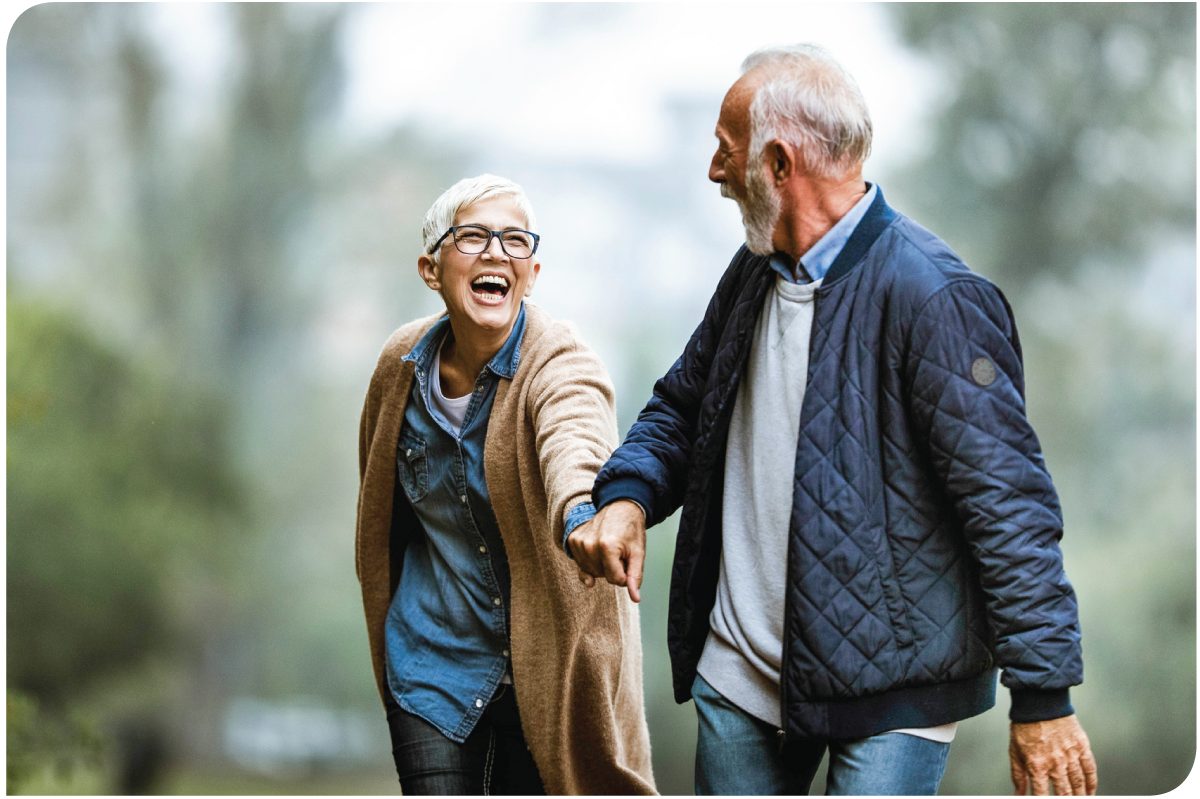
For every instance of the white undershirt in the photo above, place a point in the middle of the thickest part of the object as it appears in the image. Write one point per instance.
(454, 409)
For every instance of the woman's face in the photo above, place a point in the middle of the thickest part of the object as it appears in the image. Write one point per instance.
(484, 290)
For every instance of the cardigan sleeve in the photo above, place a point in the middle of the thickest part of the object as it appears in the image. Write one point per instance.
(366, 431)
(572, 405)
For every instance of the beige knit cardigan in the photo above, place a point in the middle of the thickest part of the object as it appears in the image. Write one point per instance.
(576, 652)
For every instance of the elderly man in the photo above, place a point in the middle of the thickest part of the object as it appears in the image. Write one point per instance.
(869, 531)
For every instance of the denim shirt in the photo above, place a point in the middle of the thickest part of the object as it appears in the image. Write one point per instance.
(447, 634)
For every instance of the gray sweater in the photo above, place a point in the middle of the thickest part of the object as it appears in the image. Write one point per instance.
(745, 642)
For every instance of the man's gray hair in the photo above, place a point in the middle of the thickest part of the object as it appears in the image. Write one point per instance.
(812, 103)
(468, 191)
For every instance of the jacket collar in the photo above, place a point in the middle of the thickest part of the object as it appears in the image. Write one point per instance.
(878, 216)
(815, 263)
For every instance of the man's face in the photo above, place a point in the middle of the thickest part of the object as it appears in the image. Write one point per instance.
(728, 167)
(742, 178)
(485, 290)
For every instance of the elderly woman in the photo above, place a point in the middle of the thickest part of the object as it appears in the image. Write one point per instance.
(483, 430)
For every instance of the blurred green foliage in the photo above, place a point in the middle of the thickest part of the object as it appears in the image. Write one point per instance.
(117, 483)
(1066, 132)
(48, 755)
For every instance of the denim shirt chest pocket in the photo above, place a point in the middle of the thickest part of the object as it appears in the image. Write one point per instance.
(412, 465)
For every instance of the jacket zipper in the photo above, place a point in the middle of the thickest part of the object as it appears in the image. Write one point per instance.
(787, 594)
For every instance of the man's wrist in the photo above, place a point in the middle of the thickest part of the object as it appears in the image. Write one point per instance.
(632, 489)
(1040, 704)
(635, 503)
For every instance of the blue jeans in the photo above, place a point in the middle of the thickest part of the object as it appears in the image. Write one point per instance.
(738, 754)
(492, 760)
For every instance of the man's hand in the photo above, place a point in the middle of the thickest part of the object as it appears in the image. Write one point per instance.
(1056, 750)
(613, 546)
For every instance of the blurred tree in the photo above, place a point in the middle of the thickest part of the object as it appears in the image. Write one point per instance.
(202, 232)
(230, 273)
(119, 493)
(1062, 164)
(218, 228)
(1068, 134)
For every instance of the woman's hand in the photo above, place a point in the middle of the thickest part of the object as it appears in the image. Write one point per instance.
(613, 546)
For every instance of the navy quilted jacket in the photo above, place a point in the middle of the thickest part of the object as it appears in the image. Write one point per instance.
(923, 545)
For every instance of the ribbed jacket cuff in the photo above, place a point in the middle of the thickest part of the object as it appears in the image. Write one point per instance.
(1036, 704)
(631, 488)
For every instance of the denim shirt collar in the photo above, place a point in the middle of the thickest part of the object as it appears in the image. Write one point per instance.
(820, 256)
(503, 363)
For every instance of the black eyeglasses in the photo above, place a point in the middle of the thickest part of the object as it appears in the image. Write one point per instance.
(474, 239)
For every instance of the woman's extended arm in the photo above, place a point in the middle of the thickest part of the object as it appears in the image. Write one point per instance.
(573, 408)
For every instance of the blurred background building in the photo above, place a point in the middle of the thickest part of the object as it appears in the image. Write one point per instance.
(213, 217)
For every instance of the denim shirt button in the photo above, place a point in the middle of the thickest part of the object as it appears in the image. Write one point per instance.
(505, 653)
(464, 499)
(496, 601)
(478, 703)
(482, 550)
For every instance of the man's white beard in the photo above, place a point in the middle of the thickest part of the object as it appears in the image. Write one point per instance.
(760, 210)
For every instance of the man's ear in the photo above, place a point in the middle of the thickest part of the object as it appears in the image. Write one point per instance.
(784, 161)
(429, 272)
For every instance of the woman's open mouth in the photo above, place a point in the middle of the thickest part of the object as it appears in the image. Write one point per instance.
(490, 288)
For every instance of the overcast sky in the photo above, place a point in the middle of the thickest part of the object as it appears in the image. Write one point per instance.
(570, 81)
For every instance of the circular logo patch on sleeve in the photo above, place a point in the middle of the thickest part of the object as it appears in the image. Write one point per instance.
(983, 372)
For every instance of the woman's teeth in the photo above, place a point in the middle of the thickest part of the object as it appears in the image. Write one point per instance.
(490, 284)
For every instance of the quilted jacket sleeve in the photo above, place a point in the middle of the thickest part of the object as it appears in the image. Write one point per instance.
(651, 467)
(966, 398)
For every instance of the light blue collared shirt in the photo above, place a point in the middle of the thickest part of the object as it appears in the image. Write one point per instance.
(447, 630)
(820, 256)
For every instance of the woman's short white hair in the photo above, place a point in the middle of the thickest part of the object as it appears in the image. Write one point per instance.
(468, 191)
(812, 103)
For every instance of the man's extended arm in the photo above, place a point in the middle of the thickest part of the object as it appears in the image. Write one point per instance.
(967, 399)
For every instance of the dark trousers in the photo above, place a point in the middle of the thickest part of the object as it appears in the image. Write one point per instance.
(493, 760)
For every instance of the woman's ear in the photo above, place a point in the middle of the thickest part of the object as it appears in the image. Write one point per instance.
(533, 273)
(428, 270)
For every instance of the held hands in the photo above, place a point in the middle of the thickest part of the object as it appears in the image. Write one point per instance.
(613, 546)
(1056, 750)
